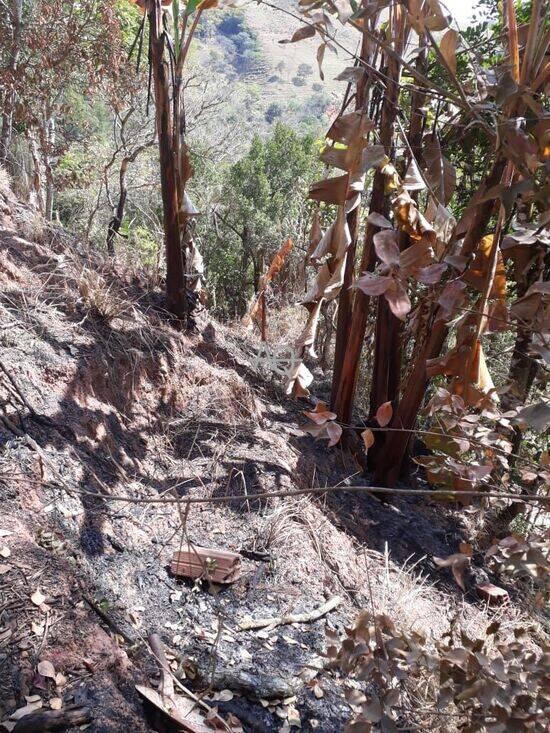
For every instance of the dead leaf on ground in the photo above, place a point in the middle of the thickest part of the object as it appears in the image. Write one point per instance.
(27, 709)
(223, 696)
(46, 669)
(321, 414)
(38, 598)
(180, 709)
(466, 549)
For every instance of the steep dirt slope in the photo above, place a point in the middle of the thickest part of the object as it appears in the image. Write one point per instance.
(101, 398)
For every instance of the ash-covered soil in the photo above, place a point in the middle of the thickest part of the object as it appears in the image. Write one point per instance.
(102, 398)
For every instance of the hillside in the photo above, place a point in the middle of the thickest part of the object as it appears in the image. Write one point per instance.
(267, 78)
(103, 399)
(274, 366)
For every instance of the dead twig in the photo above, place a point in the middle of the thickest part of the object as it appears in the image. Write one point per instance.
(292, 618)
(20, 394)
(448, 494)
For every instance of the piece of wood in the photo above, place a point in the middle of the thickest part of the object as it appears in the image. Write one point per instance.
(53, 720)
(292, 618)
(219, 566)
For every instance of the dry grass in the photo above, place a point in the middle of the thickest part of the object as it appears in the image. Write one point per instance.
(5, 183)
(403, 592)
(32, 226)
(101, 298)
(284, 324)
(280, 527)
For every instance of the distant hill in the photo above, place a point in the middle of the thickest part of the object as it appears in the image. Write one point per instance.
(269, 79)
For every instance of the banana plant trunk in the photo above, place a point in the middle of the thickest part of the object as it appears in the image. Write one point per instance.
(390, 462)
(345, 377)
(345, 299)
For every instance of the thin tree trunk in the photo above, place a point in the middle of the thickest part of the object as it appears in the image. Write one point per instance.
(264, 317)
(523, 368)
(36, 194)
(388, 345)
(116, 221)
(47, 142)
(8, 101)
(345, 298)
(175, 256)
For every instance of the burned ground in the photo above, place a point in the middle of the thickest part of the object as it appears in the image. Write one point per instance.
(102, 397)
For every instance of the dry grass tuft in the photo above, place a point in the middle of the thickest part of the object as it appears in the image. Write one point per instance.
(281, 528)
(100, 298)
(403, 593)
(32, 226)
(5, 183)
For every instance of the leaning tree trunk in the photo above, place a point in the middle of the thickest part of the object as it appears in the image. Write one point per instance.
(118, 217)
(175, 256)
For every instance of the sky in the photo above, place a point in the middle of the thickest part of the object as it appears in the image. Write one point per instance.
(461, 10)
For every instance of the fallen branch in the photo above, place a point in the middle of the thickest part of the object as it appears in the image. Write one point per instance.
(17, 390)
(111, 623)
(292, 618)
(449, 494)
(53, 720)
(166, 685)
